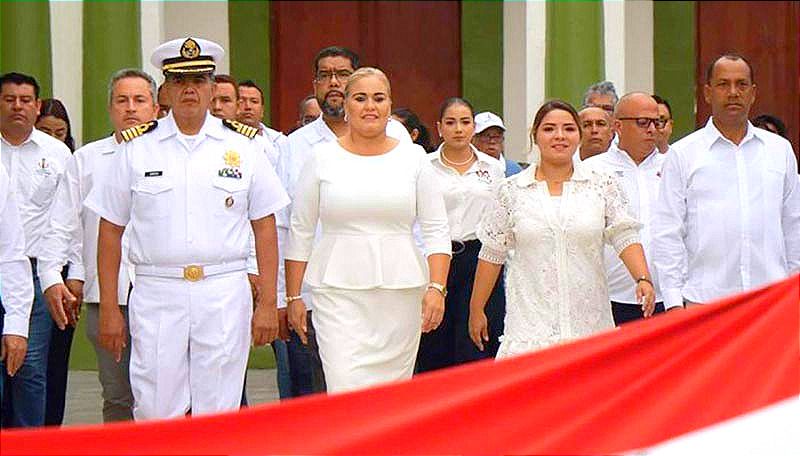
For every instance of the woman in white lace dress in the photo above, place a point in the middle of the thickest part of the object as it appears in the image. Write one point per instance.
(555, 217)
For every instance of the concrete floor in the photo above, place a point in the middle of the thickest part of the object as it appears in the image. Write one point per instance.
(84, 404)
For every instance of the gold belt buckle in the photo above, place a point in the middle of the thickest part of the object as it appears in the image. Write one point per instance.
(193, 273)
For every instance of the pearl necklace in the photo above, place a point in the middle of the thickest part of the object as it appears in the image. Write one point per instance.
(471, 157)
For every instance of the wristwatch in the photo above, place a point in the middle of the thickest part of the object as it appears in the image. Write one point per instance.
(438, 287)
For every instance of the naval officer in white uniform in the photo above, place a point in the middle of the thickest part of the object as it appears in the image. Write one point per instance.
(188, 187)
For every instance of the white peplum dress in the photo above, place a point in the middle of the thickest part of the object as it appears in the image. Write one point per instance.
(366, 273)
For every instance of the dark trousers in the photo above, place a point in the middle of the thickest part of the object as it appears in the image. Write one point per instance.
(450, 344)
(624, 313)
(317, 374)
(57, 370)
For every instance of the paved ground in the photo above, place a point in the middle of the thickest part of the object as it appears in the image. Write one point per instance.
(84, 404)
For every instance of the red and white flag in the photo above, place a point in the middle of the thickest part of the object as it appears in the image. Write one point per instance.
(724, 377)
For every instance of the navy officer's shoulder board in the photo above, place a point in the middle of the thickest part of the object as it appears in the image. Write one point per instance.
(241, 128)
(134, 132)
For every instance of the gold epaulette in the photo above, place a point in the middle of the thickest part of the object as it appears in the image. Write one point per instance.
(241, 128)
(134, 132)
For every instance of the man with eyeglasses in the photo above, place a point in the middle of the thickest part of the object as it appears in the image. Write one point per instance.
(597, 133)
(728, 215)
(489, 138)
(664, 133)
(187, 190)
(331, 70)
(637, 166)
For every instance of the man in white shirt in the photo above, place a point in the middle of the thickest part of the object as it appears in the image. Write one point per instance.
(664, 134)
(728, 215)
(187, 189)
(16, 284)
(251, 111)
(35, 162)
(597, 128)
(489, 138)
(636, 164)
(332, 67)
(131, 102)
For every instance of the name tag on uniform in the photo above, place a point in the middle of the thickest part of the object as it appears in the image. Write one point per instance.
(153, 173)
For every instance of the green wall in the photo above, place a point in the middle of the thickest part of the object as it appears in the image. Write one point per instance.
(574, 49)
(674, 61)
(482, 54)
(111, 42)
(25, 26)
(249, 34)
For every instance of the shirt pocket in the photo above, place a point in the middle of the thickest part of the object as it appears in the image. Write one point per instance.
(229, 195)
(44, 192)
(153, 197)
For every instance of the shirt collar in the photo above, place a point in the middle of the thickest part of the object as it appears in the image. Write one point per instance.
(485, 159)
(318, 131)
(211, 127)
(622, 155)
(712, 134)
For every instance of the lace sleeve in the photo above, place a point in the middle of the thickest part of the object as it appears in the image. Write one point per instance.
(496, 230)
(621, 229)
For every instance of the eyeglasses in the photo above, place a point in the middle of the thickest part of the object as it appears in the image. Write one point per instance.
(644, 122)
(325, 76)
(492, 138)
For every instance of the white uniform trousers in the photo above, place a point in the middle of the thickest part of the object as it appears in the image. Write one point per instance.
(189, 344)
(367, 337)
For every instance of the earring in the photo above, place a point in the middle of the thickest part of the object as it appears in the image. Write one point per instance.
(345, 117)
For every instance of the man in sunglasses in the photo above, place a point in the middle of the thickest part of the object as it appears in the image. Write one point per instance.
(637, 166)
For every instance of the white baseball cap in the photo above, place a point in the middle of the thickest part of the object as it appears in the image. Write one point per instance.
(187, 56)
(487, 119)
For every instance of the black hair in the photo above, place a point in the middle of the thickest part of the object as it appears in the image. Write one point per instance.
(455, 101)
(54, 107)
(336, 51)
(19, 79)
(250, 83)
(764, 119)
(729, 56)
(411, 121)
(663, 101)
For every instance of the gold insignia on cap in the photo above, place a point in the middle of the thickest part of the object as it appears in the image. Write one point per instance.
(241, 128)
(190, 49)
(134, 132)
(231, 158)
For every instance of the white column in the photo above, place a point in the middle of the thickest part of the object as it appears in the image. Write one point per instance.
(207, 20)
(66, 37)
(152, 27)
(628, 32)
(524, 46)
(639, 46)
(614, 43)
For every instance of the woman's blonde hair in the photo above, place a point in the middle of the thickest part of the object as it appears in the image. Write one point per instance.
(362, 73)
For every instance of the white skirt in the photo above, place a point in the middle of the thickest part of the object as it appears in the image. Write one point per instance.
(367, 337)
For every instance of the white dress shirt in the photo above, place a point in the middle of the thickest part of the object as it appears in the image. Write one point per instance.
(16, 282)
(467, 196)
(641, 183)
(294, 153)
(271, 140)
(188, 203)
(72, 226)
(367, 206)
(35, 167)
(730, 212)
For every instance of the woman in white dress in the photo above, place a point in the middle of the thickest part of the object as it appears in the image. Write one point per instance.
(555, 216)
(374, 293)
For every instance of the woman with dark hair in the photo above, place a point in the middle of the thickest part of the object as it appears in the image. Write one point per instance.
(555, 217)
(54, 121)
(468, 178)
(416, 129)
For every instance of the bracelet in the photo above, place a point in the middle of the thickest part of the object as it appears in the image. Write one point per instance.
(644, 279)
(438, 287)
(289, 299)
